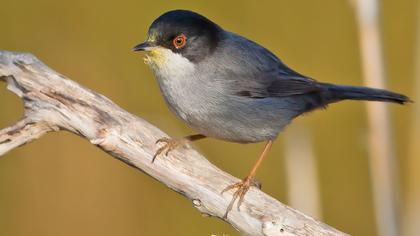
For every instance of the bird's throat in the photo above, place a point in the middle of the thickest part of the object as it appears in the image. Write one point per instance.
(156, 57)
(167, 64)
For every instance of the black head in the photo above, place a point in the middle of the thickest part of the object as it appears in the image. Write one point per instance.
(184, 32)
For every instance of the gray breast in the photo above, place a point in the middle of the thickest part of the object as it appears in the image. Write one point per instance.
(198, 94)
(206, 107)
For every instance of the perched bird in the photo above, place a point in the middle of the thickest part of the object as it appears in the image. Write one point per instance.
(227, 87)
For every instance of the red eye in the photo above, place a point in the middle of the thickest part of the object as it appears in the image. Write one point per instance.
(179, 41)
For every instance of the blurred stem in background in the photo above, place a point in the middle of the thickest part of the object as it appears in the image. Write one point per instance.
(381, 152)
(412, 203)
(301, 172)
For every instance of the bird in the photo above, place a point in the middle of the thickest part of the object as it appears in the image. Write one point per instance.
(227, 87)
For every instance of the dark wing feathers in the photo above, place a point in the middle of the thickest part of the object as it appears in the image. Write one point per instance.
(275, 85)
(286, 86)
(264, 75)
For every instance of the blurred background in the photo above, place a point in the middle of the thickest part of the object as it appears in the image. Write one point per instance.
(63, 185)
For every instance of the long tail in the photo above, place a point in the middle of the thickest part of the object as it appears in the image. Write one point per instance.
(345, 92)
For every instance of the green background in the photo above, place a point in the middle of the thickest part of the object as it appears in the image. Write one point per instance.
(63, 185)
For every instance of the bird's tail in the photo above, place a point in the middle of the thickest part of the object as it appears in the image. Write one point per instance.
(344, 92)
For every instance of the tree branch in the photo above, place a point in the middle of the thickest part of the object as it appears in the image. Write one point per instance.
(24, 131)
(53, 102)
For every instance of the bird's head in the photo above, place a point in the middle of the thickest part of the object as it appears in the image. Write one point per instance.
(180, 34)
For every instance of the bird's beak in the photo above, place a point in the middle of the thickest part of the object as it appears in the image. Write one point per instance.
(146, 46)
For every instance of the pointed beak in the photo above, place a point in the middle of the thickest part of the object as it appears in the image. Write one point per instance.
(146, 46)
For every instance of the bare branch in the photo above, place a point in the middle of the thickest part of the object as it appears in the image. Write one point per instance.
(21, 133)
(54, 102)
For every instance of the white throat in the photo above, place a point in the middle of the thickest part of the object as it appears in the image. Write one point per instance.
(168, 65)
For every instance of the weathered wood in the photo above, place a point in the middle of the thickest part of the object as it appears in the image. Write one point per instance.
(53, 102)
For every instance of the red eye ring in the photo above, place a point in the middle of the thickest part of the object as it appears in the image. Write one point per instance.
(179, 41)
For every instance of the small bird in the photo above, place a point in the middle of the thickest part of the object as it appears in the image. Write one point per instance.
(228, 87)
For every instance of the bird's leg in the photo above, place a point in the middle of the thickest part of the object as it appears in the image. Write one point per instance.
(172, 143)
(243, 187)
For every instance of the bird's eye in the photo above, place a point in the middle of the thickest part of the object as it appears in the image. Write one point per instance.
(179, 41)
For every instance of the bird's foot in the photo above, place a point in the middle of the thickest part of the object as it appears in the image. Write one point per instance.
(169, 145)
(241, 189)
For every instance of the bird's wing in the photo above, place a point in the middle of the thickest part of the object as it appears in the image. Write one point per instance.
(274, 85)
(257, 73)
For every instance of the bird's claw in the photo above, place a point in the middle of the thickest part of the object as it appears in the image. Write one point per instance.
(242, 188)
(169, 145)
